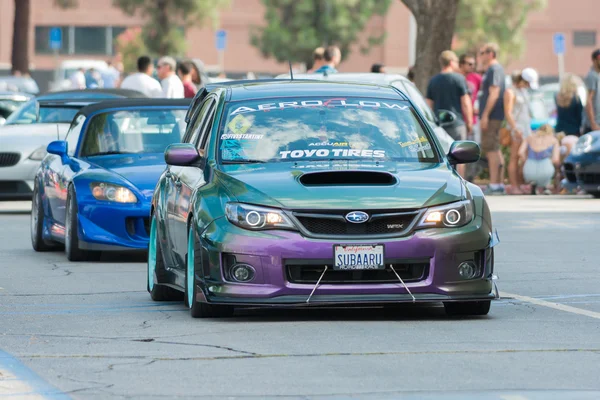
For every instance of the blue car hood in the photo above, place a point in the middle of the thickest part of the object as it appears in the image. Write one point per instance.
(140, 170)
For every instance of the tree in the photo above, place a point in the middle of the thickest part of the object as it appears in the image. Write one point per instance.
(435, 28)
(166, 20)
(499, 21)
(296, 27)
(20, 42)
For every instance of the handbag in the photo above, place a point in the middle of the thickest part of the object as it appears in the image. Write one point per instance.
(505, 136)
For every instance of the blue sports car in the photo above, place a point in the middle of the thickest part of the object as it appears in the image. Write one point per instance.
(93, 190)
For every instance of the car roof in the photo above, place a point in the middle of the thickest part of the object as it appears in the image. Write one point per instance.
(269, 88)
(134, 103)
(363, 77)
(11, 95)
(92, 94)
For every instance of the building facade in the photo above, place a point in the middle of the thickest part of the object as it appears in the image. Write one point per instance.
(89, 32)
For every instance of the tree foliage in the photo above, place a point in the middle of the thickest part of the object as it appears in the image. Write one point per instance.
(167, 19)
(435, 28)
(499, 21)
(294, 28)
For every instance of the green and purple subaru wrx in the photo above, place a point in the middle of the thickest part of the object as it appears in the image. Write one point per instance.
(306, 193)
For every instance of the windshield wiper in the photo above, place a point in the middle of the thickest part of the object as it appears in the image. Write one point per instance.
(244, 162)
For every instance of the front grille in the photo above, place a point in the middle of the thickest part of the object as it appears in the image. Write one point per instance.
(14, 187)
(589, 178)
(570, 173)
(147, 225)
(309, 274)
(9, 159)
(335, 224)
(138, 227)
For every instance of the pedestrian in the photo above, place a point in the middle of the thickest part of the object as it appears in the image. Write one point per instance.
(197, 68)
(518, 119)
(142, 81)
(184, 71)
(491, 115)
(93, 79)
(378, 68)
(569, 108)
(540, 154)
(110, 76)
(318, 59)
(332, 57)
(448, 91)
(466, 65)
(591, 116)
(172, 86)
(78, 79)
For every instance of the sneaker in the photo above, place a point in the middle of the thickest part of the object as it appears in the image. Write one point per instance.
(495, 191)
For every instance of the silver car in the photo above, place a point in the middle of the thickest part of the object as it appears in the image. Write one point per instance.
(400, 82)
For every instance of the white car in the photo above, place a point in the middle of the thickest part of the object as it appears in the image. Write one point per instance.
(400, 82)
(27, 132)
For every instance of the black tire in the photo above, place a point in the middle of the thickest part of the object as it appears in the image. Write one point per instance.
(74, 253)
(159, 292)
(37, 223)
(468, 307)
(199, 309)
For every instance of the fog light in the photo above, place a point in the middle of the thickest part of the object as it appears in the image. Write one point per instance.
(467, 270)
(242, 272)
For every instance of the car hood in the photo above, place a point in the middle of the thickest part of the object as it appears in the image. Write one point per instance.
(139, 170)
(281, 185)
(30, 136)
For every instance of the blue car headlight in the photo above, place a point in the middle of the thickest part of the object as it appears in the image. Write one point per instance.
(257, 218)
(451, 215)
(110, 192)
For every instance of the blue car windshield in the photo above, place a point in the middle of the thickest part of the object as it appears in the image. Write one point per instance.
(133, 131)
(306, 129)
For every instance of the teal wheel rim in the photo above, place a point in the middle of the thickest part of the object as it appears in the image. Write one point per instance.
(152, 254)
(190, 269)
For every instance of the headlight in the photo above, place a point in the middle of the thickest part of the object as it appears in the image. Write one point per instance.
(110, 192)
(257, 218)
(448, 216)
(39, 154)
(583, 145)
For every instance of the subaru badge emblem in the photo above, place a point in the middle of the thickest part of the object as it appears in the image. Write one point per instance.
(357, 217)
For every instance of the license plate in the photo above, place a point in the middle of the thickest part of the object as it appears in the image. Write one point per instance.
(357, 257)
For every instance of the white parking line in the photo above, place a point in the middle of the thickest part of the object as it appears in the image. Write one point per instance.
(556, 306)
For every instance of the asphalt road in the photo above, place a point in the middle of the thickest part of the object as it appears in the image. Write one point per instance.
(90, 330)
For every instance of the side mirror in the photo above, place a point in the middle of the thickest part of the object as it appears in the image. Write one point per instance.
(182, 154)
(2, 121)
(58, 147)
(446, 117)
(464, 152)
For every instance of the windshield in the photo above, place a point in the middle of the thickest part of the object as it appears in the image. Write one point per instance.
(28, 114)
(292, 129)
(133, 131)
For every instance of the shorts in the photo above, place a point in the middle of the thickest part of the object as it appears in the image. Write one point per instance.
(457, 132)
(490, 138)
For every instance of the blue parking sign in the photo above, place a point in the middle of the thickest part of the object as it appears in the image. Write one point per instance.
(55, 38)
(220, 39)
(558, 41)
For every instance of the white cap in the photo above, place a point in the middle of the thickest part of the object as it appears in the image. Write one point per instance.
(531, 76)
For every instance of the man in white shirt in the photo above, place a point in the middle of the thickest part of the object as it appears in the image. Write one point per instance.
(78, 79)
(171, 84)
(142, 81)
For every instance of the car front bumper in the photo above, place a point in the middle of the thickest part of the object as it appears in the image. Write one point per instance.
(427, 260)
(104, 226)
(583, 172)
(16, 181)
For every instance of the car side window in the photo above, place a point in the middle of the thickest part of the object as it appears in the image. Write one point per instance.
(417, 98)
(73, 134)
(26, 114)
(207, 126)
(196, 124)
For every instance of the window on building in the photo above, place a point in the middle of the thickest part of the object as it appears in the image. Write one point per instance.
(92, 40)
(584, 38)
(42, 40)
